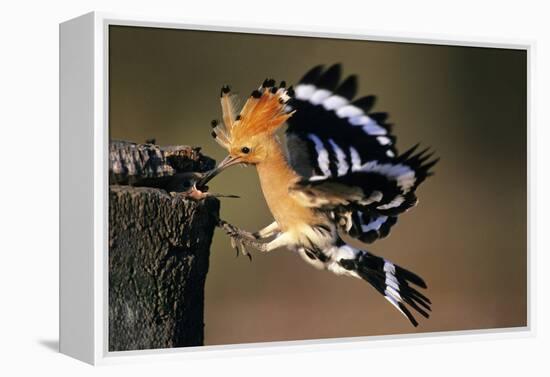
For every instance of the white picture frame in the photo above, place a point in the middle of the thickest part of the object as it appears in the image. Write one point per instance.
(84, 192)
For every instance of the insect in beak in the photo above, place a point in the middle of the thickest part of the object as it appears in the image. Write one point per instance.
(188, 184)
(227, 162)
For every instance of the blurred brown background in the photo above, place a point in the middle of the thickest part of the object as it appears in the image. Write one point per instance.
(467, 237)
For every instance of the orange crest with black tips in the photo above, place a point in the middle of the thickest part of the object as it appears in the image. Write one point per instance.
(263, 113)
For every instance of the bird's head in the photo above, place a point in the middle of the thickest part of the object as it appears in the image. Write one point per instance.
(246, 134)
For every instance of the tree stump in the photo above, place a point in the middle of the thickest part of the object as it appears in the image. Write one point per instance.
(159, 246)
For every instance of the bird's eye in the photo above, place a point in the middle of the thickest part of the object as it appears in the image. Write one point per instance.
(245, 150)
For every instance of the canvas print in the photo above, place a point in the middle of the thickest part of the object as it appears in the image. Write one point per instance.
(383, 188)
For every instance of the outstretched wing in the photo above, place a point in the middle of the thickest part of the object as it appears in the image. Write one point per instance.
(347, 156)
(330, 129)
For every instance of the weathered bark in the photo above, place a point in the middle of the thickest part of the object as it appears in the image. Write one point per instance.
(158, 260)
(152, 165)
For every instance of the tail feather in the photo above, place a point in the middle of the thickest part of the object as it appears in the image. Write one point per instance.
(392, 281)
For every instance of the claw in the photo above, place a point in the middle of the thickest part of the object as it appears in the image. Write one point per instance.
(242, 248)
(237, 245)
(238, 238)
(245, 251)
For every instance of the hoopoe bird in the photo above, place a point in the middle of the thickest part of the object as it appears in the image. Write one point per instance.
(341, 175)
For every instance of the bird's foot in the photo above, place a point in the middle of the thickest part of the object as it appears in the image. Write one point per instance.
(234, 231)
(240, 239)
(237, 236)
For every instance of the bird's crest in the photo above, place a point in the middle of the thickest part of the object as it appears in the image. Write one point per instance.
(263, 113)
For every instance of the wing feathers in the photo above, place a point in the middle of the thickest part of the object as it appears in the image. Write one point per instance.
(365, 103)
(312, 75)
(348, 88)
(325, 107)
(347, 156)
(329, 80)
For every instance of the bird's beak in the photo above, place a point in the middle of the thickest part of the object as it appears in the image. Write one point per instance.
(227, 162)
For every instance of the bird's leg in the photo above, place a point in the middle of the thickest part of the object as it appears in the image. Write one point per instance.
(268, 231)
(237, 236)
(241, 238)
(234, 231)
(282, 239)
(279, 241)
(261, 234)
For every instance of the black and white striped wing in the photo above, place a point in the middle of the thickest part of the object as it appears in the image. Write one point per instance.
(367, 200)
(331, 130)
(347, 156)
